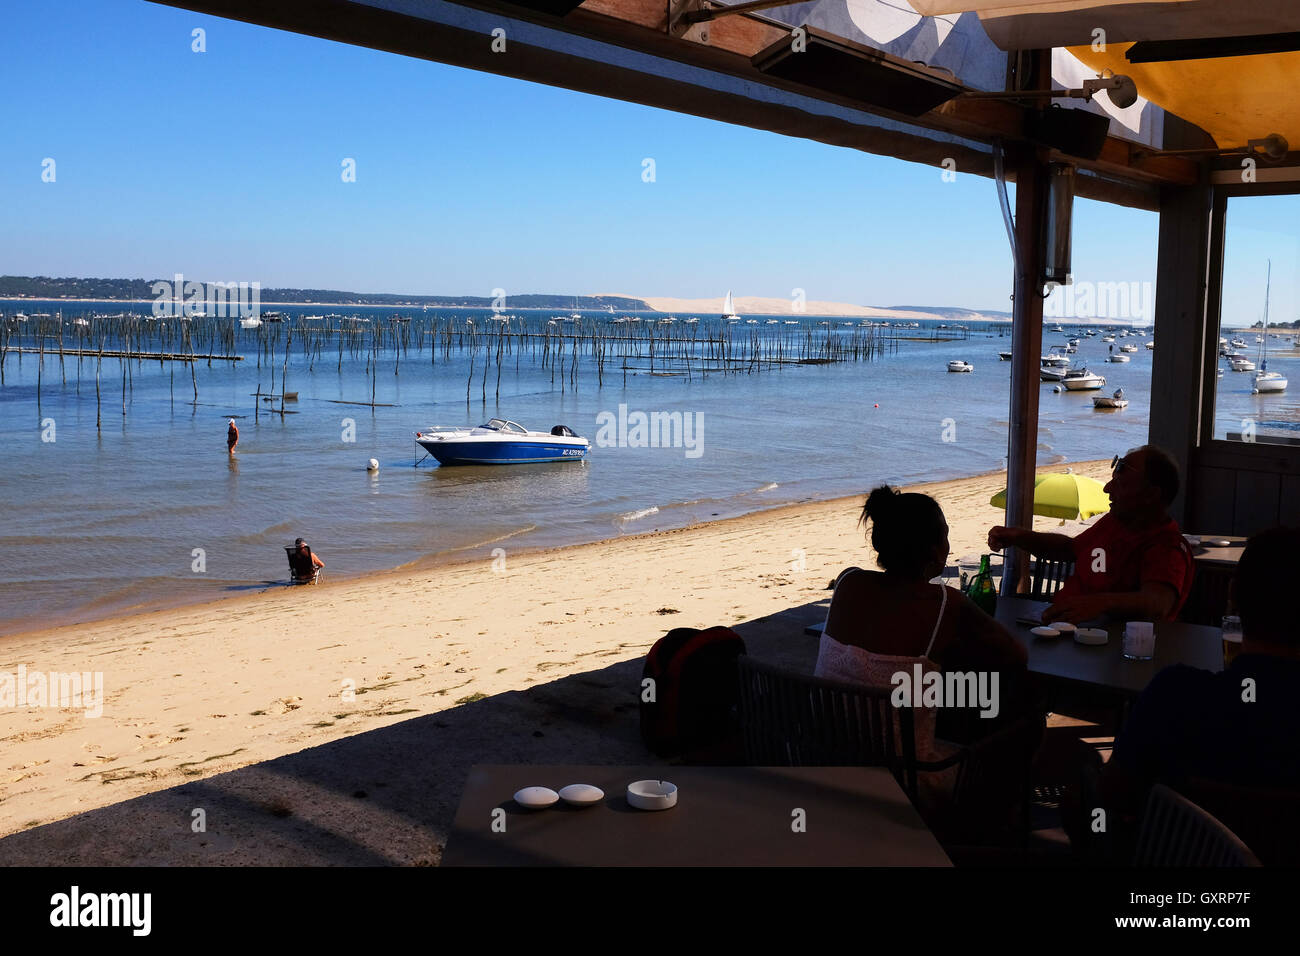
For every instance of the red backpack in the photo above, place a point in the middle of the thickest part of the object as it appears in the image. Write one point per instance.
(688, 690)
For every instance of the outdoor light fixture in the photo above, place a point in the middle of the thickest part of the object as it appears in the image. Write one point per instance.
(1057, 223)
(1120, 90)
(1273, 148)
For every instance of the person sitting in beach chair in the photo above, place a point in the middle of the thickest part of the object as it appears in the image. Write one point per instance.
(1133, 562)
(304, 565)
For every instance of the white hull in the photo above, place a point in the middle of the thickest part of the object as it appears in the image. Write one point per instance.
(1270, 382)
(1101, 401)
(1087, 383)
(960, 367)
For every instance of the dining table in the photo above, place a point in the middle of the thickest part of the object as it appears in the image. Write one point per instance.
(724, 816)
(1103, 667)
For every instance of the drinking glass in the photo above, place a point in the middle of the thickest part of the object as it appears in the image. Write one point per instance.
(1232, 637)
(967, 568)
(1139, 641)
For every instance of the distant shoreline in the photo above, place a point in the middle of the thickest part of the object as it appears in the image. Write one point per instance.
(982, 320)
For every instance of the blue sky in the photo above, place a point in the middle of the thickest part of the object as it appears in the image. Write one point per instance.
(226, 165)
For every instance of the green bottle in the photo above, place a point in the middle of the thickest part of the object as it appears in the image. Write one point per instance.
(981, 590)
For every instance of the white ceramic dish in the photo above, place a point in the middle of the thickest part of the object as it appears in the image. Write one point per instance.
(1194, 541)
(652, 794)
(1091, 635)
(1045, 631)
(1065, 627)
(536, 798)
(582, 795)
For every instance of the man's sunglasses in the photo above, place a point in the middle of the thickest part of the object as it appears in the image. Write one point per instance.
(1117, 464)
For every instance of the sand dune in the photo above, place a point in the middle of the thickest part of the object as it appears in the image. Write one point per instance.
(756, 305)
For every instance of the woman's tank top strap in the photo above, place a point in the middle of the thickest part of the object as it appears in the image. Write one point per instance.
(943, 606)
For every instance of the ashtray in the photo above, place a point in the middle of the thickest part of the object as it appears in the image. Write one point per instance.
(652, 794)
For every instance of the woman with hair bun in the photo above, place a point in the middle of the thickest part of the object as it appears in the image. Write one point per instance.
(883, 623)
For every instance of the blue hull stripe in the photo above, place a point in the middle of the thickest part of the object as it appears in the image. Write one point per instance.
(501, 453)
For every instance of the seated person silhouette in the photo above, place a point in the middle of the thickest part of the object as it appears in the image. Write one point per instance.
(304, 565)
(1133, 562)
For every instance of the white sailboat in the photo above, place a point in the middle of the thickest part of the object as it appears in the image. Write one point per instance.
(729, 309)
(1266, 381)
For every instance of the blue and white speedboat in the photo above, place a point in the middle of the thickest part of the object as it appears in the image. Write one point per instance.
(502, 442)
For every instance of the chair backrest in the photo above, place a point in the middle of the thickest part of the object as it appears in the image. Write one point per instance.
(1176, 832)
(795, 720)
(298, 570)
(1048, 577)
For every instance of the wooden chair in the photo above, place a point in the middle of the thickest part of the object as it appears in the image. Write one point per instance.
(1176, 832)
(1048, 577)
(795, 720)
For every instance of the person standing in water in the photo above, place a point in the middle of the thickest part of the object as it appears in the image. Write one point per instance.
(232, 437)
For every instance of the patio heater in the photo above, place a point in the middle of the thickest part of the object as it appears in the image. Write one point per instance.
(1057, 224)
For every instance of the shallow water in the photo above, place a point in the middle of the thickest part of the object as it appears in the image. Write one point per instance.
(102, 522)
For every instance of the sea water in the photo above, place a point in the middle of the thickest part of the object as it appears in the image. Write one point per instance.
(149, 510)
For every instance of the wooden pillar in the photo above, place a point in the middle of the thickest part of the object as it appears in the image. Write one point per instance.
(1186, 335)
(1026, 351)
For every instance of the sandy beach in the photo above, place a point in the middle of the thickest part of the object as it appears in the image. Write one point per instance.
(195, 691)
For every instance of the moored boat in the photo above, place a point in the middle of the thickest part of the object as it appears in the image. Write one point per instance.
(1082, 380)
(502, 442)
(1111, 401)
(959, 366)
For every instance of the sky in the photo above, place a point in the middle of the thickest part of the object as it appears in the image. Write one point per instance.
(226, 165)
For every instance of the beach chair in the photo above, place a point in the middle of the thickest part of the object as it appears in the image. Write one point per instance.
(294, 576)
(1176, 832)
(796, 720)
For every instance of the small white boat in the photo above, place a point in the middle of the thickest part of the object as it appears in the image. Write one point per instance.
(960, 366)
(1050, 373)
(250, 323)
(1241, 364)
(1237, 344)
(729, 309)
(1266, 381)
(1117, 357)
(1082, 380)
(1128, 348)
(1055, 361)
(1114, 401)
(1108, 338)
(1004, 356)
(1151, 346)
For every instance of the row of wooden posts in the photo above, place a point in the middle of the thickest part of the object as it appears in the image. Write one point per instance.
(649, 347)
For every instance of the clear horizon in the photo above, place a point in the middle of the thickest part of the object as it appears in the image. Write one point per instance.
(227, 165)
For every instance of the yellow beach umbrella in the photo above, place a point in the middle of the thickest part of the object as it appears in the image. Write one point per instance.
(1064, 496)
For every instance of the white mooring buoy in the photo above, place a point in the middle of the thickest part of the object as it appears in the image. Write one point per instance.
(372, 465)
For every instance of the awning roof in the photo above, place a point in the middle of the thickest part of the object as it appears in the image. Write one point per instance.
(1233, 98)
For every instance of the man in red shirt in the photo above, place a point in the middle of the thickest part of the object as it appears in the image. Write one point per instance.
(1133, 562)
